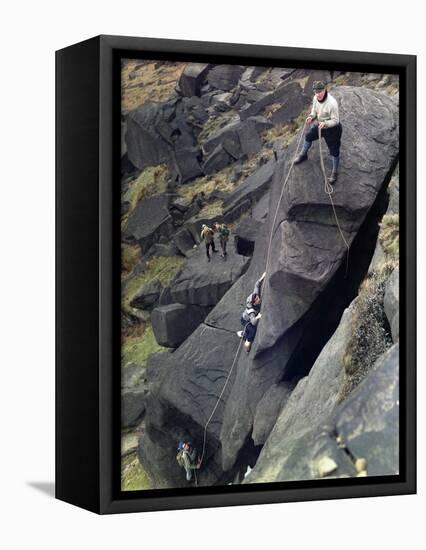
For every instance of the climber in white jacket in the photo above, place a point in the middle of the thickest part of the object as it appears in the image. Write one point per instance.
(324, 115)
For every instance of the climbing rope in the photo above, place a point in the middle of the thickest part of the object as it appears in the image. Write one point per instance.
(219, 398)
(329, 190)
(281, 196)
(242, 339)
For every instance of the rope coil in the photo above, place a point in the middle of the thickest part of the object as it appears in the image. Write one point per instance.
(328, 188)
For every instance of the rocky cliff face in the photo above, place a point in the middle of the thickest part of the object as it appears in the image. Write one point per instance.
(291, 406)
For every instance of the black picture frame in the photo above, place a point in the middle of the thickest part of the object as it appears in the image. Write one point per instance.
(88, 265)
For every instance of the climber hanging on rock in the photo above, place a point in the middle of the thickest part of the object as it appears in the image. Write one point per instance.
(207, 235)
(187, 458)
(223, 231)
(324, 116)
(251, 315)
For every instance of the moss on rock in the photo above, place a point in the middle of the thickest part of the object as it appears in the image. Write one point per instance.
(133, 476)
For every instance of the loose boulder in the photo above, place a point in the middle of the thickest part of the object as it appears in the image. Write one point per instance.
(224, 77)
(245, 236)
(149, 221)
(172, 324)
(192, 78)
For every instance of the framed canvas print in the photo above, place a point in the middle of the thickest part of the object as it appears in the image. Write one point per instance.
(235, 274)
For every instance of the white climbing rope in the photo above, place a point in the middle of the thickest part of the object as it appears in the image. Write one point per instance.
(280, 199)
(328, 190)
(219, 398)
(241, 341)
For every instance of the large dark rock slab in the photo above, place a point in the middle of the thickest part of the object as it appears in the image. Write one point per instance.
(184, 164)
(192, 78)
(187, 386)
(172, 324)
(145, 144)
(268, 410)
(149, 221)
(312, 401)
(307, 247)
(164, 133)
(368, 421)
(365, 426)
(249, 191)
(218, 159)
(225, 77)
(238, 138)
(204, 284)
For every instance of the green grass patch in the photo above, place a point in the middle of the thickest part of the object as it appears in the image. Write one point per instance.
(136, 348)
(163, 268)
(151, 181)
(133, 476)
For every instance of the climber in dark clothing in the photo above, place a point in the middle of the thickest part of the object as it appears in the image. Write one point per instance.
(223, 231)
(186, 458)
(325, 111)
(251, 315)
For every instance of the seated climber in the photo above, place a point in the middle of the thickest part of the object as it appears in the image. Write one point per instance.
(186, 458)
(325, 111)
(207, 235)
(251, 315)
(223, 231)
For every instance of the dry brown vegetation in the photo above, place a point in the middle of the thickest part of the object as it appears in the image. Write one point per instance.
(143, 81)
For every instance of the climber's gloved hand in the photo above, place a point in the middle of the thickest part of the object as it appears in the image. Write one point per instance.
(258, 316)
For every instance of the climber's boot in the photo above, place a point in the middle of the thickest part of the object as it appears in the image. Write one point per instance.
(300, 158)
(304, 154)
(333, 177)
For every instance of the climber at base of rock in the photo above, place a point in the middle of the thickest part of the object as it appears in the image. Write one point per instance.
(223, 231)
(325, 111)
(251, 315)
(187, 458)
(207, 235)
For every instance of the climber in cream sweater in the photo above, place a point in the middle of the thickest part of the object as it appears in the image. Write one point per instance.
(325, 116)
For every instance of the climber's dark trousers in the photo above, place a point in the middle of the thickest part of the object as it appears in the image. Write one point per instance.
(249, 330)
(223, 241)
(208, 245)
(332, 137)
